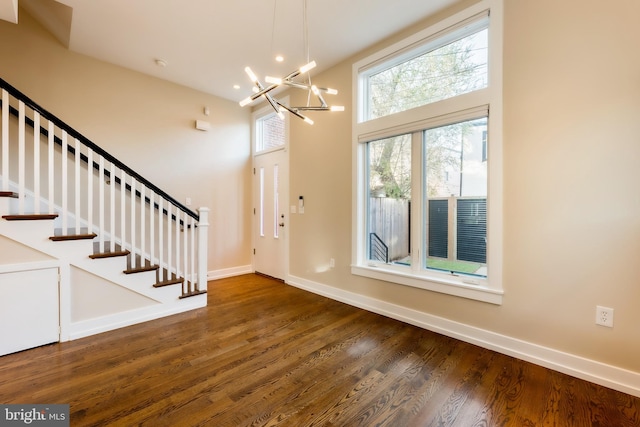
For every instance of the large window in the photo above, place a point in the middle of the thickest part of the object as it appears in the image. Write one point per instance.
(428, 155)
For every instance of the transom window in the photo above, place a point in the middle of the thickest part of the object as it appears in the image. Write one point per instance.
(428, 153)
(270, 133)
(443, 68)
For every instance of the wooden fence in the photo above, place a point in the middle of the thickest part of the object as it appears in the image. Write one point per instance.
(389, 219)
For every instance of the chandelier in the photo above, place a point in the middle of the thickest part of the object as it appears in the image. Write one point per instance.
(263, 91)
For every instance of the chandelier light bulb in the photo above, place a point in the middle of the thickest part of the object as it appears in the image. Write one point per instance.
(246, 101)
(273, 80)
(251, 74)
(305, 68)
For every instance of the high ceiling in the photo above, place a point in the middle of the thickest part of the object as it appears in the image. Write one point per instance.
(206, 44)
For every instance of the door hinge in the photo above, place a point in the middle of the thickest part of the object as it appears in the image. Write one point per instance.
(254, 251)
(254, 211)
(254, 171)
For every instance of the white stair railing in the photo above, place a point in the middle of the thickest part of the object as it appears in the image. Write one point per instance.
(92, 192)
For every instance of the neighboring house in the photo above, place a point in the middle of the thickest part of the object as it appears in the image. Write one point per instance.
(570, 212)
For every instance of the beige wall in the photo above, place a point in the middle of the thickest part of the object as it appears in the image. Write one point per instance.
(148, 124)
(571, 204)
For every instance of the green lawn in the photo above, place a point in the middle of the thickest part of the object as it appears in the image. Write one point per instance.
(457, 266)
(446, 265)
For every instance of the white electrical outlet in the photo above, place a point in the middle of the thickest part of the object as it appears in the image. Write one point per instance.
(604, 316)
(332, 263)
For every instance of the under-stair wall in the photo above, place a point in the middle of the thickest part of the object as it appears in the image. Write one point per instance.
(125, 250)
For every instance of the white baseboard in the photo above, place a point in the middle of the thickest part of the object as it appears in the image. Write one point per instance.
(229, 272)
(111, 322)
(590, 370)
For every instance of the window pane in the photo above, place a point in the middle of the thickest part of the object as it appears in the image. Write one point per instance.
(456, 195)
(276, 207)
(389, 201)
(447, 71)
(262, 202)
(269, 132)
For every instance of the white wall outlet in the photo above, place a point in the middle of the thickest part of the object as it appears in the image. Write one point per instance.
(332, 263)
(604, 316)
(187, 201)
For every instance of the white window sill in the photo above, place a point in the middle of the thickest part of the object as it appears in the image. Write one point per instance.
(460, 286)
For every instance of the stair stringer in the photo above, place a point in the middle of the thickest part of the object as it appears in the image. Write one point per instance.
(35, 234)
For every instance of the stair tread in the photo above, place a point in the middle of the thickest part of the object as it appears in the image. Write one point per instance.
(29, 217)
(191, 294)
(86, 236)
(141, 269)
(109, 254)
(168, 283)
(11, 194)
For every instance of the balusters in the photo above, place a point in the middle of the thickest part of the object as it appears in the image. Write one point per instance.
(101, 230)
(5, 140)
(143, 212)
(51, 166)
(161, 237)
(64, 189)
(77, 186)
(169, 246)
(89, 191)
(123, 209)
(185, 258)
(21, 157)
(36, 162)
(152, 234)
(152, 231)
(112, 207)
(132, 217)
(176, 224)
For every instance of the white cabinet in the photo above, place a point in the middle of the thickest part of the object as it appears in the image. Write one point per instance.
(29, 309)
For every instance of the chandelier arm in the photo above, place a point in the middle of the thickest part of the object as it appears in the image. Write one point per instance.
(292, 111)
(296, 85)
(325, 108)
(263, 91)
(295, 112)
(323, 103)
(272, 101)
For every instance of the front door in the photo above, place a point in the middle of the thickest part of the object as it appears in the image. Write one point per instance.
(270, 215)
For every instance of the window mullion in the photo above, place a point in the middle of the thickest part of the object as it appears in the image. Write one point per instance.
(417, 193)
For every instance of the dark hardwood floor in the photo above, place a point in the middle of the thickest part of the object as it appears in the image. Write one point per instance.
(266, 354)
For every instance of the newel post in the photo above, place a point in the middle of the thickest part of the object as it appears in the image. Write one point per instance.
(203, 230)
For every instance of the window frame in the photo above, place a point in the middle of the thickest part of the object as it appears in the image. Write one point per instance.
(487, 101)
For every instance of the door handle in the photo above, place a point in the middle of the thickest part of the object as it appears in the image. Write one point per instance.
(281, 224)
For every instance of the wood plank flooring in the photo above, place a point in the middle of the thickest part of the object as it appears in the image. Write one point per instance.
(266, 354)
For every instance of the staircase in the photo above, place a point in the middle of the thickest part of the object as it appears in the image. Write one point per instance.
(96, 220)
